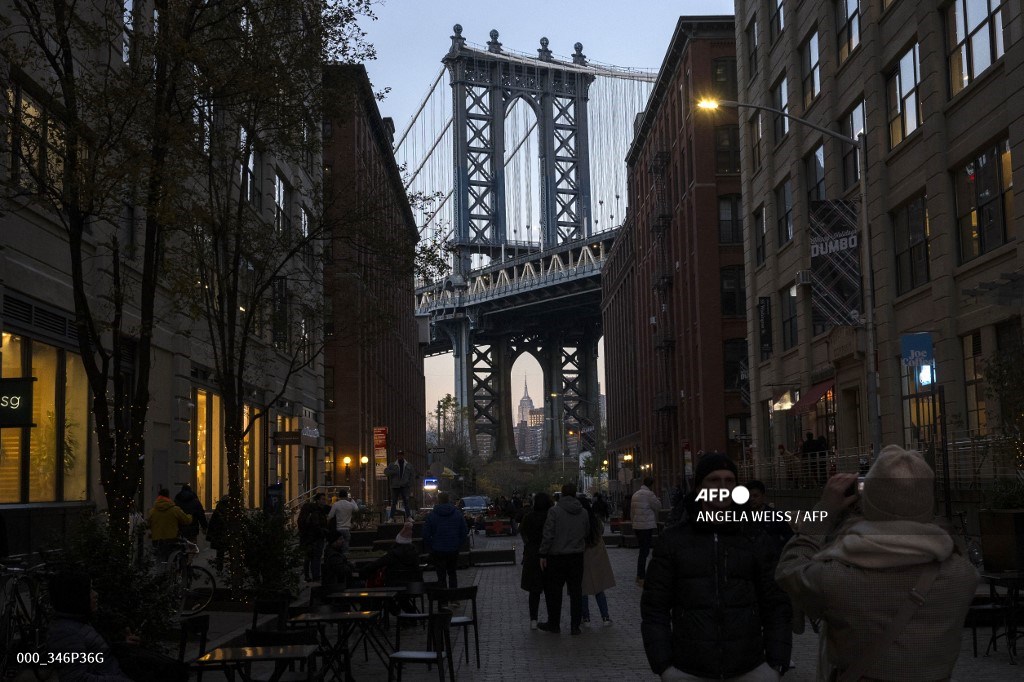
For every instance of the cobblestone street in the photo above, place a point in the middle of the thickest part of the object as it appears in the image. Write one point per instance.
(509, 650)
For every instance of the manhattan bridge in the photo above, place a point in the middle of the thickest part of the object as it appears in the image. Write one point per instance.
(525, 158)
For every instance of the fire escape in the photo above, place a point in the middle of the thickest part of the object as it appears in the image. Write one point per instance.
(664, 333)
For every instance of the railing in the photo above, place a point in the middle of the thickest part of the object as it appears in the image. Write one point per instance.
(974, 464)
(292, 507)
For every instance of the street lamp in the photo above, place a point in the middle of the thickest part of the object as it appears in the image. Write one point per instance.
(364, 460)
(861, 143)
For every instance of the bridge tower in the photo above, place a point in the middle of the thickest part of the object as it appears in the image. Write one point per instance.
(485, 86)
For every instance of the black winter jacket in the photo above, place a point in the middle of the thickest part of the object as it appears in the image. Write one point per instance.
(710, 605)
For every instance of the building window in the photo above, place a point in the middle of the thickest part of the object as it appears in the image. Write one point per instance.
(984, 201)
(812, 69)
(36, 143)
(733, 291)
(814, 175)
(282, 206)
(126, 33)
(723, 75)
(756, 136)
(250, 169)
(735, 355)
(790, 335)
(252, 456)
(780, 100)
(852, 125)
(778, 19)
(329, 387)
(847, 27)
(904, 105)
(50, 461)
(910, 227)
(760, 236)
(919, 405)
(727, 149)
(974, 31)
(974, 385)
(753, 43)
(784, 212)
(279, 313)
(730, 225)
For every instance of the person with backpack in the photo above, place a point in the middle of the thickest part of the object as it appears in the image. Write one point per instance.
(190, 504)
(312, 525)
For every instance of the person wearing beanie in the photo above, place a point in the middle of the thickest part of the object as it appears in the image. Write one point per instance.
(860, 583)
(336, 568)
(643, 512)
(401, 556)
(443, 534)
(711, 609)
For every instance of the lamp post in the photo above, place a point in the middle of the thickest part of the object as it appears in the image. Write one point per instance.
(364, 460)
(861, 143)
(347, 461)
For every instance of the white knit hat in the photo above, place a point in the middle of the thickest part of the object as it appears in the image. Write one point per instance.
(899, 487)
(405, 535)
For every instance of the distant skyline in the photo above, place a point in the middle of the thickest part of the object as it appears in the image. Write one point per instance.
(411, 37)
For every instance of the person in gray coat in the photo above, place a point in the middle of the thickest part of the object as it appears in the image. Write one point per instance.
(400, 476)
(561, 558)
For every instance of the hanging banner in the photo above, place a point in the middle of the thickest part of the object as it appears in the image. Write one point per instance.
(764, 325)
(916, 349)
(380, 450)
(835, 264)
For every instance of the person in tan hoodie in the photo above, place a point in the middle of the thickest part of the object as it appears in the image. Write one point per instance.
(893, 565)
(165, 521)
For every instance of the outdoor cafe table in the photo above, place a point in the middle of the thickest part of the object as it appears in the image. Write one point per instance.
(337, 654)
(375, 596)
(1012, 581)
(232, 659)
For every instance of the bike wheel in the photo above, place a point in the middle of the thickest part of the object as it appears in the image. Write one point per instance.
(198, 590)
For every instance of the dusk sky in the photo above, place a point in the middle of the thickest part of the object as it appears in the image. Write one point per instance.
(411, 37)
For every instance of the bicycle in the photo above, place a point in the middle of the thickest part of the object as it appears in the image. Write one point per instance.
(24, 611)
(973, 548)
(195, 584)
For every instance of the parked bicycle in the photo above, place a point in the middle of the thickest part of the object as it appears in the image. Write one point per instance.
(970, 543)
(24, 610)
(195, 584)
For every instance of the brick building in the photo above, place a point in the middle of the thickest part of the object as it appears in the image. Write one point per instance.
(373, 368)
(674, 305)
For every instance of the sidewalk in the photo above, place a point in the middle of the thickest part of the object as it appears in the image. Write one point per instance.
(509, 650)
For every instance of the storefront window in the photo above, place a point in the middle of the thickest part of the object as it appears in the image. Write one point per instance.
(200, 443)
(252, 456)
(56, 449)
(76, 429)
(919, 406)
(10, 439)
(218, 468)
(43, 452)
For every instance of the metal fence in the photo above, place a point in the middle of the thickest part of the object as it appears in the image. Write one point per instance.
(974, 464)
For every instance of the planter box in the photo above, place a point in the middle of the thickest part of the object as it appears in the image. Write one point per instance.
(1002, 539)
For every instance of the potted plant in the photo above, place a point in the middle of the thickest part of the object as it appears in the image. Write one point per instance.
(1002, 527)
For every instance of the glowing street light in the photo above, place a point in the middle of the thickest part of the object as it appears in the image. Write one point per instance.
(861, 143)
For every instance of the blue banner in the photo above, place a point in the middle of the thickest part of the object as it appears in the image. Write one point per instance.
(916, 349)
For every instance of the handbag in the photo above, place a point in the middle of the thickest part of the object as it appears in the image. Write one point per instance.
(914, 599)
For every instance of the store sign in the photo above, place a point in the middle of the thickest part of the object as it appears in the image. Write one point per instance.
(916, 349)
(16, 403)
(380, 451)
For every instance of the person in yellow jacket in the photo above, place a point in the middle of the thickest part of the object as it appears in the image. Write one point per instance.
(165, 521)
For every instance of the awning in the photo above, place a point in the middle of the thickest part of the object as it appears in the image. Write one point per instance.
(811, 397)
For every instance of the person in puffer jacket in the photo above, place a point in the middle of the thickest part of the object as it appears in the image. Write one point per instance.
(562, 545)
(711, 608)
(644, 508)
(443, 534)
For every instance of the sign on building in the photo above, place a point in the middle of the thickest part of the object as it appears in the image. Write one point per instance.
(835, 264)
(380, 450)
(764, 325)
(916, 349)
(16, 402)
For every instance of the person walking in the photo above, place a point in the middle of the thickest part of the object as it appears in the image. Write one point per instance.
(644, 508)
(165, 521)
(891, 588)
(561, 558)
(312, 525)
(190, 504)
(443, 534)
(400, 476)
(597, 569)
(341, 516)
(710, 609)
(532, 531)
(217, 532)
